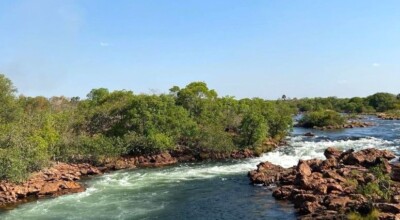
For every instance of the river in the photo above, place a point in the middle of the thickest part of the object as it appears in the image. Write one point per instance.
(218, 190)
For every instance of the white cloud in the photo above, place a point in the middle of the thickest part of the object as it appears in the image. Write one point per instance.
(342, 82)
(376, 64)
(104, 44)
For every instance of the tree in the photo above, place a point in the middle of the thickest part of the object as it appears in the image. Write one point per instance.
(9, 108)
(382, 101)
(195, 97)
(253, 129)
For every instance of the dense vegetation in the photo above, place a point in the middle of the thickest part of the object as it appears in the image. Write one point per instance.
(109, 124)
(321, 118)
(37, 130)
(323, 112)
(379, 102)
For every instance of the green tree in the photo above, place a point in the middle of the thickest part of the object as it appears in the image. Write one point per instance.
(195, 97)
(382, 101)
(253, 129)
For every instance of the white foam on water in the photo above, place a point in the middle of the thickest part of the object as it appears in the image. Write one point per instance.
(290, 155)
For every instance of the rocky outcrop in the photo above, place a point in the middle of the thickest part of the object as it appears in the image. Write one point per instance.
(349, 124)
(157, 160)
(387, 116)
(60, 179)
(332, 188)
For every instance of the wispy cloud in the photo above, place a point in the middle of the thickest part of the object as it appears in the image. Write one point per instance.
(342, 82)
(104, 44)
(376, 64)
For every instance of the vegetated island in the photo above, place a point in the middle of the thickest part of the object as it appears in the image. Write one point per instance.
(330, 120)
(48, 144)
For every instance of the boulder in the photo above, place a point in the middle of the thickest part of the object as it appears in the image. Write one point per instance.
(332, 152)
(50, 188)
(303, 168)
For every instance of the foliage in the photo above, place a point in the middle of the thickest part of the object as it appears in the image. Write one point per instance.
(253, 129)
(373, 215)
(378, 188)
(382, 101)
(378, 102)
(37, 130)
(321, 118)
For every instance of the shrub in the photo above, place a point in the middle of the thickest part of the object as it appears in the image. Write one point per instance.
(378, 188)
(321, 118)
(373, 215)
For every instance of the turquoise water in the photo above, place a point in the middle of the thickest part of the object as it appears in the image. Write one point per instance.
(200, 190)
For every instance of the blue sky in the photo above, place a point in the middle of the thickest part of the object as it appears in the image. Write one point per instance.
(242, 48)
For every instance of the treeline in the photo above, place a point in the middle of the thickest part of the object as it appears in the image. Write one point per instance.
(378, 102)
(36, 130)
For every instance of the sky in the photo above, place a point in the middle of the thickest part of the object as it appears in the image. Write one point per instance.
(241, 48)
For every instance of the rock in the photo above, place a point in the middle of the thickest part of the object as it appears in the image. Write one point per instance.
(309, 134)
(395, 174)
(267, 173)
(50, 188)
(309, 207)
(335, 176)
(368, 157)
(71, 185)
(329, 189)
(283, 192)
(303, 168)
(337, 203)
(334, 187)
(300, 199)
(329, 163)
(388, 207)
(331, 152)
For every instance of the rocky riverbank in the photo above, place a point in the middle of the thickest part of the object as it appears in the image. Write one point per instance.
(357, 184)
(349, 124)
(63, 178)
(387, 116)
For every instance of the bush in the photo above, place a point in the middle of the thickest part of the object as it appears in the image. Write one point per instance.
(321, 118)
(214, 138)
(380, 187)
(94, 150)
(373, 215)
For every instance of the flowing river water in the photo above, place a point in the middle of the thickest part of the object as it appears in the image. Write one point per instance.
(217, 190)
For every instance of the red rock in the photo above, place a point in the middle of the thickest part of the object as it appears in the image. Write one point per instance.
(50, 188)
(283, 192)
(331, 152)
(330, 163)
(337, 203)
(334, 175)
(309, 207)
(303, 168)
(367, 157)
(388, 207)
(334, 187)
(70, 185)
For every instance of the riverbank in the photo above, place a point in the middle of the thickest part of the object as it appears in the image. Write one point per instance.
(388, 116)
(346, 183)
(65, 178)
